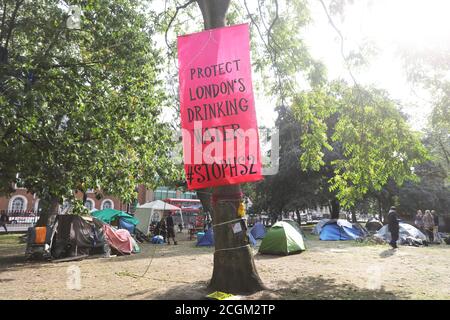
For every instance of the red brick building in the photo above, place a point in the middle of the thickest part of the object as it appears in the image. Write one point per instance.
(21, 200)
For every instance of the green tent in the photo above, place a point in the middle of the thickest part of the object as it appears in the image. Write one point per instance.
(294, 224)
(282, 239)
(109, 215)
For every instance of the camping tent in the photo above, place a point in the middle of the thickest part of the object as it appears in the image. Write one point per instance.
(207, 240)
(405, 231)
(69, 236)
(373, 225)
(282, 239)
(251, 239)
(72, 236)
(153, 212)
(340, 229)
(316, 230)
(120, 240)
(258, 231)
(295, 225)
(110, 215)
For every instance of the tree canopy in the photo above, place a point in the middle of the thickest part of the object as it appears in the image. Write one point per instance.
(81, 107)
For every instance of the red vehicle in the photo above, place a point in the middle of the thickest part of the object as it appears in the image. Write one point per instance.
(186, 205)
(193, 216)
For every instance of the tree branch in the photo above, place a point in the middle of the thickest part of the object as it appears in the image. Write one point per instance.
(273, 22)
(13, 20)
(330, 20)
(270, 49)
(3, 23)
(178, 8)
(261, 14)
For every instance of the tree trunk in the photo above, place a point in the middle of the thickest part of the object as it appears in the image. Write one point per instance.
(49, 211)
(380, 217)
(354, 216)
(273, 218)
(204, 195)
(299, 218)
(84, 197)
(335, 208)
(234, 268)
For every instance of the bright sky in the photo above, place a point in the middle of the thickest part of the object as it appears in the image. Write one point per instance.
(391, 25)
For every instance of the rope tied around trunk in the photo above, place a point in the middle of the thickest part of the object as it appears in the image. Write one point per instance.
(234, 248)
(229, 221)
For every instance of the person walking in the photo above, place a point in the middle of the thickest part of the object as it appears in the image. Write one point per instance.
(428, 225)
(162, 229)
(170, 228)
(418, 220)
(393, 227)
(4, 220)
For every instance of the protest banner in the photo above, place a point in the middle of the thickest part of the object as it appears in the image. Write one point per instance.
(218, 118)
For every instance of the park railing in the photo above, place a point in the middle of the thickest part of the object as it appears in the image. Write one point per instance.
(19, 220)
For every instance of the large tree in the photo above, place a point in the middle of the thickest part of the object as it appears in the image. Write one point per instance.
(80, 107)
(376, 141)
(279, 56)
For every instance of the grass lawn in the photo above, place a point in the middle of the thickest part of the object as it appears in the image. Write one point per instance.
(326, 270)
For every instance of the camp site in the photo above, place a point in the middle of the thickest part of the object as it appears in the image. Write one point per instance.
(224, 150)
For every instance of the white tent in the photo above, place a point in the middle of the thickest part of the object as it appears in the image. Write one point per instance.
(405, 230)
(153, 212)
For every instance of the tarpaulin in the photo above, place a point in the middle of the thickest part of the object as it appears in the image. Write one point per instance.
(40, 235)
(118, 239)
(218, 118)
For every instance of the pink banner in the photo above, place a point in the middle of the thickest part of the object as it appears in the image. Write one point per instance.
(218, 118)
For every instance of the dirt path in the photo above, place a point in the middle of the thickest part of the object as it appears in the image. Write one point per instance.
(327, 270)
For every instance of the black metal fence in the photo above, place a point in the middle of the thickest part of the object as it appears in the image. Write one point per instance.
(18, 220)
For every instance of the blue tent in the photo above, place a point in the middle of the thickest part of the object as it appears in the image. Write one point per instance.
(251, 239)
(207, 240)
(158, 240)
(125, 224)
(258, 231)
(340, 230)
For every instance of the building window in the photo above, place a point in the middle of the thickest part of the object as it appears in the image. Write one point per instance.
(107, 204)
(89, 204)
(171, 194)
(18, 204)
(161, 193)
(189, 195)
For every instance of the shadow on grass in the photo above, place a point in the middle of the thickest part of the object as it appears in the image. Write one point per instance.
(266, 256)
(12, 256)
(193, 291)
(387, 253)
(321, 288)
(308, 288)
